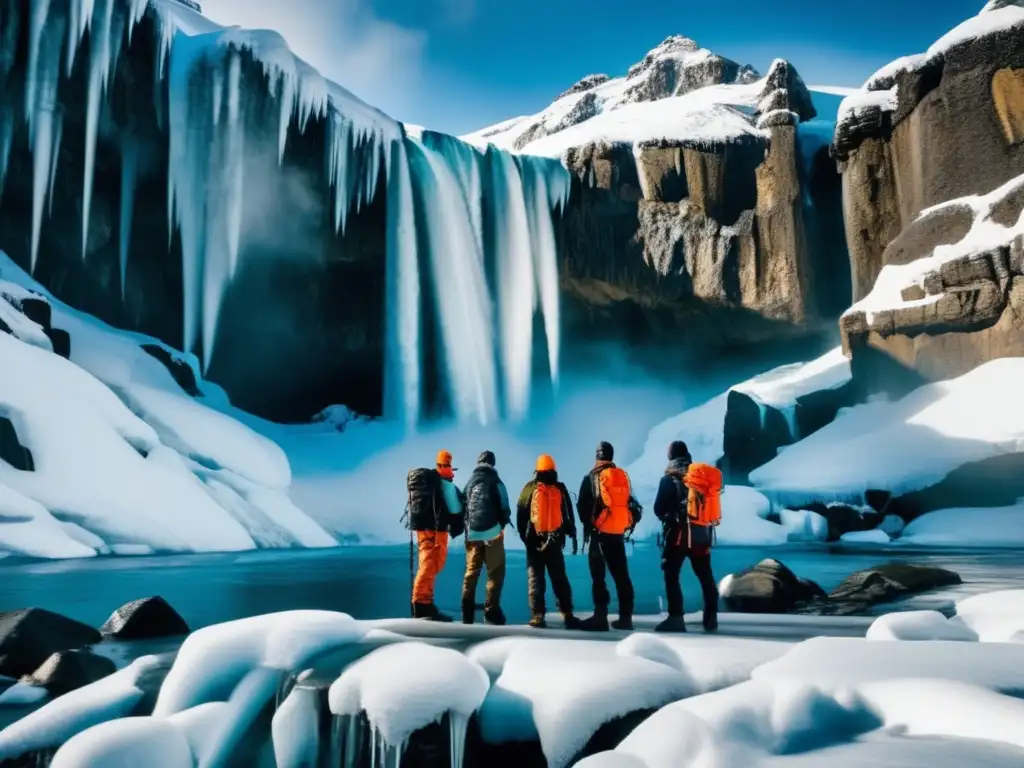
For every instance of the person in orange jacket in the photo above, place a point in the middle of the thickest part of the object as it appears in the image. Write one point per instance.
(435, 506)
(608, 512)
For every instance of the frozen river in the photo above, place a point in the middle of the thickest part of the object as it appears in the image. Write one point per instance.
(373, 582)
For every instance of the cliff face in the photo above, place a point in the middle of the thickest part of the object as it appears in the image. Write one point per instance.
(937, 129)
(299, 325)
(727, 243)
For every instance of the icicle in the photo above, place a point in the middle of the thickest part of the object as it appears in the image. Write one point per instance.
(129, 166)
(516, 287)
(218, 94)
(287, 106)
(137, 11)
(43, 107)
(37, 25)
(402, 294)
(340, 162)
(99, 71)
(6, 139)
(458, 726)
(235, 162)
(54, 159)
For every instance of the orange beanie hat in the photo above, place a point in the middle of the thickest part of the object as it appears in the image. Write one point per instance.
(444, 458)
(545, 463)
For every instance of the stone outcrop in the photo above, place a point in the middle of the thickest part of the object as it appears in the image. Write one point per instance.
(769, 587)
(960, 310)
(146, 618)
(954, 128)
(679, 66)
(30, 636)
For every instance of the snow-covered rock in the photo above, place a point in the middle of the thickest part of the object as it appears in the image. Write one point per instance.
(1001, 527)
(667, 74)
(905, 445)
(406, 686)
(997, 617)
(919, 626)
(125, 456)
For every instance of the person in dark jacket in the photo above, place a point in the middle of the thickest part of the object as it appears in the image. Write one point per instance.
(487, 513)
(605, 529)
(682, 543)
(544, 520)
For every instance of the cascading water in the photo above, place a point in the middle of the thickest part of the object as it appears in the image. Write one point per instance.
(475, 226)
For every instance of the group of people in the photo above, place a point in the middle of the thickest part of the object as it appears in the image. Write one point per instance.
(687, 505)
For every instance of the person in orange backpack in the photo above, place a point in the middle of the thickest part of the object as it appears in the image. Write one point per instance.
(608, 512)
(688, 507)
(544, 521)
(434, 511)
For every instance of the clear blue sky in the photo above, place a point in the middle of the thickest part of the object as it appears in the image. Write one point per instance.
(458, 65)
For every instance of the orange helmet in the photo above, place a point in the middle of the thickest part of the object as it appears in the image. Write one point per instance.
(444, 458)
(545, 463)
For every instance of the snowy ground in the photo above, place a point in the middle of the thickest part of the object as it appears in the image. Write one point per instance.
(125, 461)
(856, 698)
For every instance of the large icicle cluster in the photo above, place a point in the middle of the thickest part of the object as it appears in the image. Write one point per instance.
(475, 226)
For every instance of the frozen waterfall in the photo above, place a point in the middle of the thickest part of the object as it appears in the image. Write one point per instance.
(470, 239)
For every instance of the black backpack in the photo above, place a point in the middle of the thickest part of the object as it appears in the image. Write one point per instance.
(425, 510)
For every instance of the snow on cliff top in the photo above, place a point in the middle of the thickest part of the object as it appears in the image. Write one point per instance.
(695, 118)
(591, 112)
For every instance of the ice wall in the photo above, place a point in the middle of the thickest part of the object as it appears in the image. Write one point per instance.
(470, 240)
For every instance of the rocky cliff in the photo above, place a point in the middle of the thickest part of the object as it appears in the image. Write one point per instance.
(706, 210)
(299, 326)
(930, 151)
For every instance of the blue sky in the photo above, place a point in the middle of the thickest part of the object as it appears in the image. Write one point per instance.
(459, 65)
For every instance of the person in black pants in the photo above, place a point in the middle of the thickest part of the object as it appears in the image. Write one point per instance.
(605, 529)
(683, 541)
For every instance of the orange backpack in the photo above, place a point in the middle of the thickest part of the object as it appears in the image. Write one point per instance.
(705, 504)
(613, 485)
(546, 509)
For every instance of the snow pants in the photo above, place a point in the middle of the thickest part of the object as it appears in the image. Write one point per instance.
(481, 554)
(608, 554)
(433, 551)
(700, 560)
(549, 558)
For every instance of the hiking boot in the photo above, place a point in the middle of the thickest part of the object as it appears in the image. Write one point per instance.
(710, 623)
(672, 624)
(538, 622)
(468, 614)
(623, 623)
(495, 617)
(572, 622)
(596, 623)
(429, 612)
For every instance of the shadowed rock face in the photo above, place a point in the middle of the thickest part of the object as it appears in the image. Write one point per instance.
(300, 327)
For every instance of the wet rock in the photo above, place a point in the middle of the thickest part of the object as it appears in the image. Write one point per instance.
(67, 671)
(61, 341)
(769, 587)
(180, 371)
(38, 310)
(11, 449)
(882, 584)
(843, 518)
(29, 637)
(143, 619)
